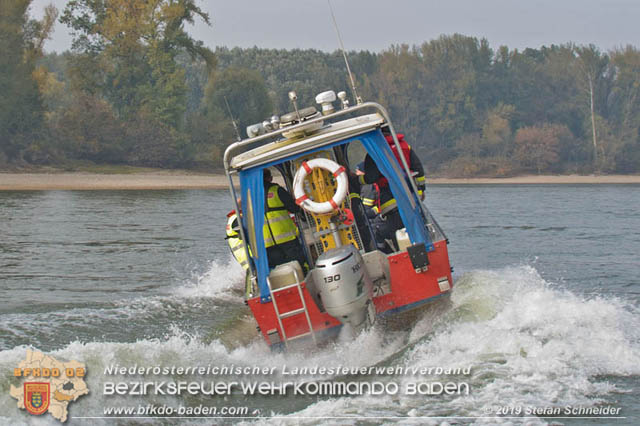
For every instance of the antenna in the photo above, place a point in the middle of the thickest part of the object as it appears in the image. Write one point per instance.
(235, 126)
(344, 54)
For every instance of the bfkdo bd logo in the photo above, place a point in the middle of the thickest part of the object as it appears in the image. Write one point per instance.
(36, 397)
(48, 385)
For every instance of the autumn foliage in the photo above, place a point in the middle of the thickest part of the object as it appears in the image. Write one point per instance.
(136, 89)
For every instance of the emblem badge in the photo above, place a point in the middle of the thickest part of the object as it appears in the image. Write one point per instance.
(36, 397)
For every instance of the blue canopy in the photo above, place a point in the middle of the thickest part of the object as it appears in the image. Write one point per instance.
(253, 200)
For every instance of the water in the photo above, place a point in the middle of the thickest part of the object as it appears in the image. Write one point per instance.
(544, 310)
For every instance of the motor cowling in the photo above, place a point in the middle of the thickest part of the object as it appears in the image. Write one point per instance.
(344, 286)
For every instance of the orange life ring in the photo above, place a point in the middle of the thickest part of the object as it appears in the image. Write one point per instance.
(303, 200)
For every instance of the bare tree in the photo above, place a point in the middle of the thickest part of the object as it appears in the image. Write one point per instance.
(592, 65)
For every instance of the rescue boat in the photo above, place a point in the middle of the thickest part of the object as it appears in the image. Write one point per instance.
(342, 281)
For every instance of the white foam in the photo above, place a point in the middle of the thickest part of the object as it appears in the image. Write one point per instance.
(181, 349)
(528, 342)
(221, 281)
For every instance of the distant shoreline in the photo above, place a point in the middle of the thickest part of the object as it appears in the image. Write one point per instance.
(98, 181)
(185, 180)
(541, 180)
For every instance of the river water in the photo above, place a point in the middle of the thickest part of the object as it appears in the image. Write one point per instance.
(544, 311)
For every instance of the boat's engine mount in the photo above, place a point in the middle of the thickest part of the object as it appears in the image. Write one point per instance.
(344, 286)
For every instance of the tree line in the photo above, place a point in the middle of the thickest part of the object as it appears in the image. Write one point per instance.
(136, 89)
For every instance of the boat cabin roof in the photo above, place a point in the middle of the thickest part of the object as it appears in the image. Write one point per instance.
(326, 135)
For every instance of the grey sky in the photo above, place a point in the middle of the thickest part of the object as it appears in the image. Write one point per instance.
(375, 24)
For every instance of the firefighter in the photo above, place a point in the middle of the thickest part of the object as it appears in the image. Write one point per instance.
(389, 220)
(235, 240)
(359, 210)
(279, 231)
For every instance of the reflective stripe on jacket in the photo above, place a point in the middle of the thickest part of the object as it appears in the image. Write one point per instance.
(388, 206)
(235, 242)
(371, 197)
(278, 226)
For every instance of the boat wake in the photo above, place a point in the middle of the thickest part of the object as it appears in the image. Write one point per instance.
(528, 343)
(221, 280)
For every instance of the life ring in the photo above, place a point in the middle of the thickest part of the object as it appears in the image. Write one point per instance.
(303, 200)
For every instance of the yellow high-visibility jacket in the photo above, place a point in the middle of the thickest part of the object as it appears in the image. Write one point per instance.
(278, 226)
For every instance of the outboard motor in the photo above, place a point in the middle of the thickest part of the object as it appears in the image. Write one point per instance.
(344, 286)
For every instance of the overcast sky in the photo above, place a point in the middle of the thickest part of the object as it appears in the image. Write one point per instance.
(375, 24)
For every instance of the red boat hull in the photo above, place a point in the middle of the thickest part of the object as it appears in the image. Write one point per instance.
(409, 290)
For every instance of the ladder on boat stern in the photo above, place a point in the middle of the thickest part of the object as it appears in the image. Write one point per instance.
(298, 311)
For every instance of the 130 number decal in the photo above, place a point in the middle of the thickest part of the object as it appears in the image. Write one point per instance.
(332, 278)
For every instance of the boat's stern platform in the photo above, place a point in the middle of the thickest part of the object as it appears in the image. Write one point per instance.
(295, 310)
